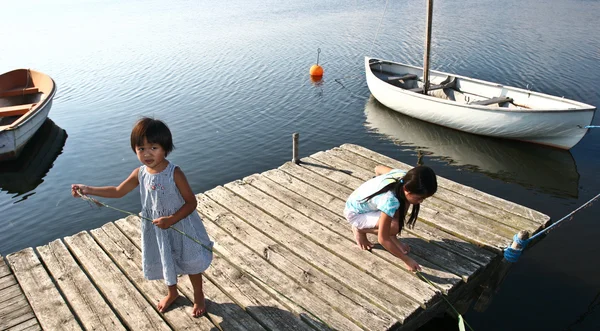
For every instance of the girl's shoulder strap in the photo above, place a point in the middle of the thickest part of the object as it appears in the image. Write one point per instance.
(171, 169)
(141, 171)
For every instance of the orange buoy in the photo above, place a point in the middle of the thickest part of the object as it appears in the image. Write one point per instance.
(316, 70)
(316, 79)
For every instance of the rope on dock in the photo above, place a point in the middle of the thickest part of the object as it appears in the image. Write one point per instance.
(242, 271)
(512, 254)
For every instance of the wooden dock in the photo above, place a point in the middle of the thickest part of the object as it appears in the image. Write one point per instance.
(285, 259)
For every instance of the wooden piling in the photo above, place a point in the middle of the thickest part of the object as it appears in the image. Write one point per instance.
(295, 138)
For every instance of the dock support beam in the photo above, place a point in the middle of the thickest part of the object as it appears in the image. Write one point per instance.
(295, 158)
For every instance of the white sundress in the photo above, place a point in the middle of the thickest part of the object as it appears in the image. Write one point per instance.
(167, 253)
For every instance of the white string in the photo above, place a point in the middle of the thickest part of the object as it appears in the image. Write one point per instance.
(379, 27)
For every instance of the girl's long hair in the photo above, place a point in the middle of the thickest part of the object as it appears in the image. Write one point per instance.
(419, 180)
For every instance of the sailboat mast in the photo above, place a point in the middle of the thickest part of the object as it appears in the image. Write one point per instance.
(427, 46)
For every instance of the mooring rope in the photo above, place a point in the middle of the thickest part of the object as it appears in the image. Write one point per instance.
(513, 254)
(244, 272)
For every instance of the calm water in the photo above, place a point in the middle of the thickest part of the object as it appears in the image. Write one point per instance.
(231, 80)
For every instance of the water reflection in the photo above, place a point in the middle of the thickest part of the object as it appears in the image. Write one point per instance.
(24, 174)
(549, 170)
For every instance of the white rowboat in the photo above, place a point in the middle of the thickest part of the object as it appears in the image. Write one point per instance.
(25, 101)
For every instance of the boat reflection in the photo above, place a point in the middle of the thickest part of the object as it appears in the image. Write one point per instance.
(546, 169)
(24, 174)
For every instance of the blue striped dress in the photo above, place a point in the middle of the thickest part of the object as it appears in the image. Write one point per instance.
(165, 252)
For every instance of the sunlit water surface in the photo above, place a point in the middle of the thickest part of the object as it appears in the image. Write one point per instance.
(231, 80)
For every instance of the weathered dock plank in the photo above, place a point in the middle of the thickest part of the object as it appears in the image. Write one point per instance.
(28, 325)
(4, 269)
(15, 311)
(48, 305)
(223, 312)
(345, 272)
(10, 292)
(312, 306)
(11, 311)
(121, 294)
(452, 243)
(89, 306)
(312, 279)
(129, 259)
(337, 245)
(15, 317)
(338, 224)
(285, 259)
(225, 278)
(7, 281)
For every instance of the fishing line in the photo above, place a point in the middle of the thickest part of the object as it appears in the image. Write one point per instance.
(98, 203)
(513, 254)
(461, 320)
(379, 27)
(591, 307)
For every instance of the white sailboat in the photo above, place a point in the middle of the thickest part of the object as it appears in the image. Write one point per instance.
(477, 106)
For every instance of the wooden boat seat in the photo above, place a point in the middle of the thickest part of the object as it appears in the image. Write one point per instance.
(432, 87)
(404, 77)
(17, 110)
(18, 91)
(492, 101)
(447, 83)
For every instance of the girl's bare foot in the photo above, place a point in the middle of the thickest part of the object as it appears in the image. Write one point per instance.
(164, 304)
(199, 309)
(199, 302)
(361, 239)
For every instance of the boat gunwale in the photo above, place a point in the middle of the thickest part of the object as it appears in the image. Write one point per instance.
(584, 107)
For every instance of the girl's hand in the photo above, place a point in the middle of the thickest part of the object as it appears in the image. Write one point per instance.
(162, 222)
(75, 188)
(411, 264)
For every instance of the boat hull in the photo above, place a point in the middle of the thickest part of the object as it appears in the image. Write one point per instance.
(553, 127)
(12, 142)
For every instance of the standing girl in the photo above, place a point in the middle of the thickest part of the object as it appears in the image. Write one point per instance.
(379, 206)
(167, 199)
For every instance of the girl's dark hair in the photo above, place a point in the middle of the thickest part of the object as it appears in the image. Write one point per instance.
(155, 132)
(419, 180)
